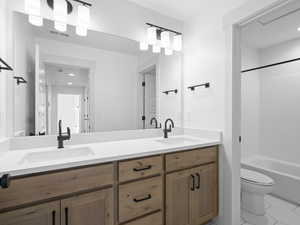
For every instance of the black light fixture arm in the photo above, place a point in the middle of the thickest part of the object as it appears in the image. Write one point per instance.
(164, 29)
(6, 66)
(206, 85)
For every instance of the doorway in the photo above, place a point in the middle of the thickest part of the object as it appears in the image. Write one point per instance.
(149, 106)
(69, 110)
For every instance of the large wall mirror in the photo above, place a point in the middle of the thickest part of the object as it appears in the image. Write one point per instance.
(92, 83)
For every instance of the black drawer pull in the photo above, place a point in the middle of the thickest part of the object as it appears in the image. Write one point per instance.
(142, 169)
(199, 180)
(142, 199)
(193, 183)
(54, 217)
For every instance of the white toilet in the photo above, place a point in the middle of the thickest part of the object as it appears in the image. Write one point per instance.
(254, 187)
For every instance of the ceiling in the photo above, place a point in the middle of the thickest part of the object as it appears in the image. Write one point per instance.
(274, 28)
(185, 9)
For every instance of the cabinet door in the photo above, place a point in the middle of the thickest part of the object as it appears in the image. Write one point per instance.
(44, 214)
(204, 199)
(178, 191)
(94, 208)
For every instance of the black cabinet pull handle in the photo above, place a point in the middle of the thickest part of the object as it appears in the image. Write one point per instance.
(199, 180)
(5, 181)
(53, 217)
(193, 183)
(67, 216)
(142, 169)
(142, 199)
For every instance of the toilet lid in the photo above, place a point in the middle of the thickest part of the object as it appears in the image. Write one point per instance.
(255, 177)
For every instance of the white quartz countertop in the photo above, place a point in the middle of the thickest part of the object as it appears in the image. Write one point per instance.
(30, 161)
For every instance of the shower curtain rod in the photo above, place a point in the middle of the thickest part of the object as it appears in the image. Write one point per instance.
(270, 65)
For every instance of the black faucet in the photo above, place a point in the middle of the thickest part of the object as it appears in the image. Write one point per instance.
(63, 136)
(166, 130)
(156, 123)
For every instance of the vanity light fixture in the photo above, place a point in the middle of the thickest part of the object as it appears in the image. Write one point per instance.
(60, 14)
(33, 8)
(177, 42)
(165, 39)
(168, 51)
(152, 35)
(61, 9)
(83, 20)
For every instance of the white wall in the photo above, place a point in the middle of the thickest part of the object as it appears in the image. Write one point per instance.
(24, 101)
(204, 49)
(114, 83)
(250, 103)
(3, 74)
(280, 103)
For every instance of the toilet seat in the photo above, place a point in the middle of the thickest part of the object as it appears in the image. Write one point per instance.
(253, 177)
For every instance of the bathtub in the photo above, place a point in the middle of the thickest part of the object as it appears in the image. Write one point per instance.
(285, 174)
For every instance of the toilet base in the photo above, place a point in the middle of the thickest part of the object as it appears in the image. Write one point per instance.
(254, 219)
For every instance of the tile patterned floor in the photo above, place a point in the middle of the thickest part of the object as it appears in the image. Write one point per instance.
(280, 212)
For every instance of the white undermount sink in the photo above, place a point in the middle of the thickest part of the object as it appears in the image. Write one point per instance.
(178, 140)
(57, 154)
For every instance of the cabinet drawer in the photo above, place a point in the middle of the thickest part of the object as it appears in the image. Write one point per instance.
(187, 159)
(135, 169)
(36, 188)
(154, 219)
(139, 198)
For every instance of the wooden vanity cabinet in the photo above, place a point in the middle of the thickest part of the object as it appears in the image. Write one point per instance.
(170, 189)
(44, 214)
(95, 208)
(192, 196)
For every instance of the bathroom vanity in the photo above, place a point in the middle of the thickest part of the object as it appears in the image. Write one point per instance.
(176, 186)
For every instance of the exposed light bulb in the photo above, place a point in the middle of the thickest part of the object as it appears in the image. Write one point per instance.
(144, 46)
(60, 13)
(151, 35)
(177, 43)
(156, 49)
(168, 51)
(33, 8)
(83, 20)
(165, 39)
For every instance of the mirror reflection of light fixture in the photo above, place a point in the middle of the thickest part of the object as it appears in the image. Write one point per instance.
(83, 20)
(168, 51)
(177, 43)
(152, 35)
(33, 8)
(60, 13)
(144, 46)
(165, 39)
(156, 49)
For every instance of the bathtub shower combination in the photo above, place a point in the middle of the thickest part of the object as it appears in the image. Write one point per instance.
(285, 174)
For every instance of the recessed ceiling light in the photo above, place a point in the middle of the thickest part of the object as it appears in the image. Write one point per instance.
(70, 83)
(71, 74)
(298, 29)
